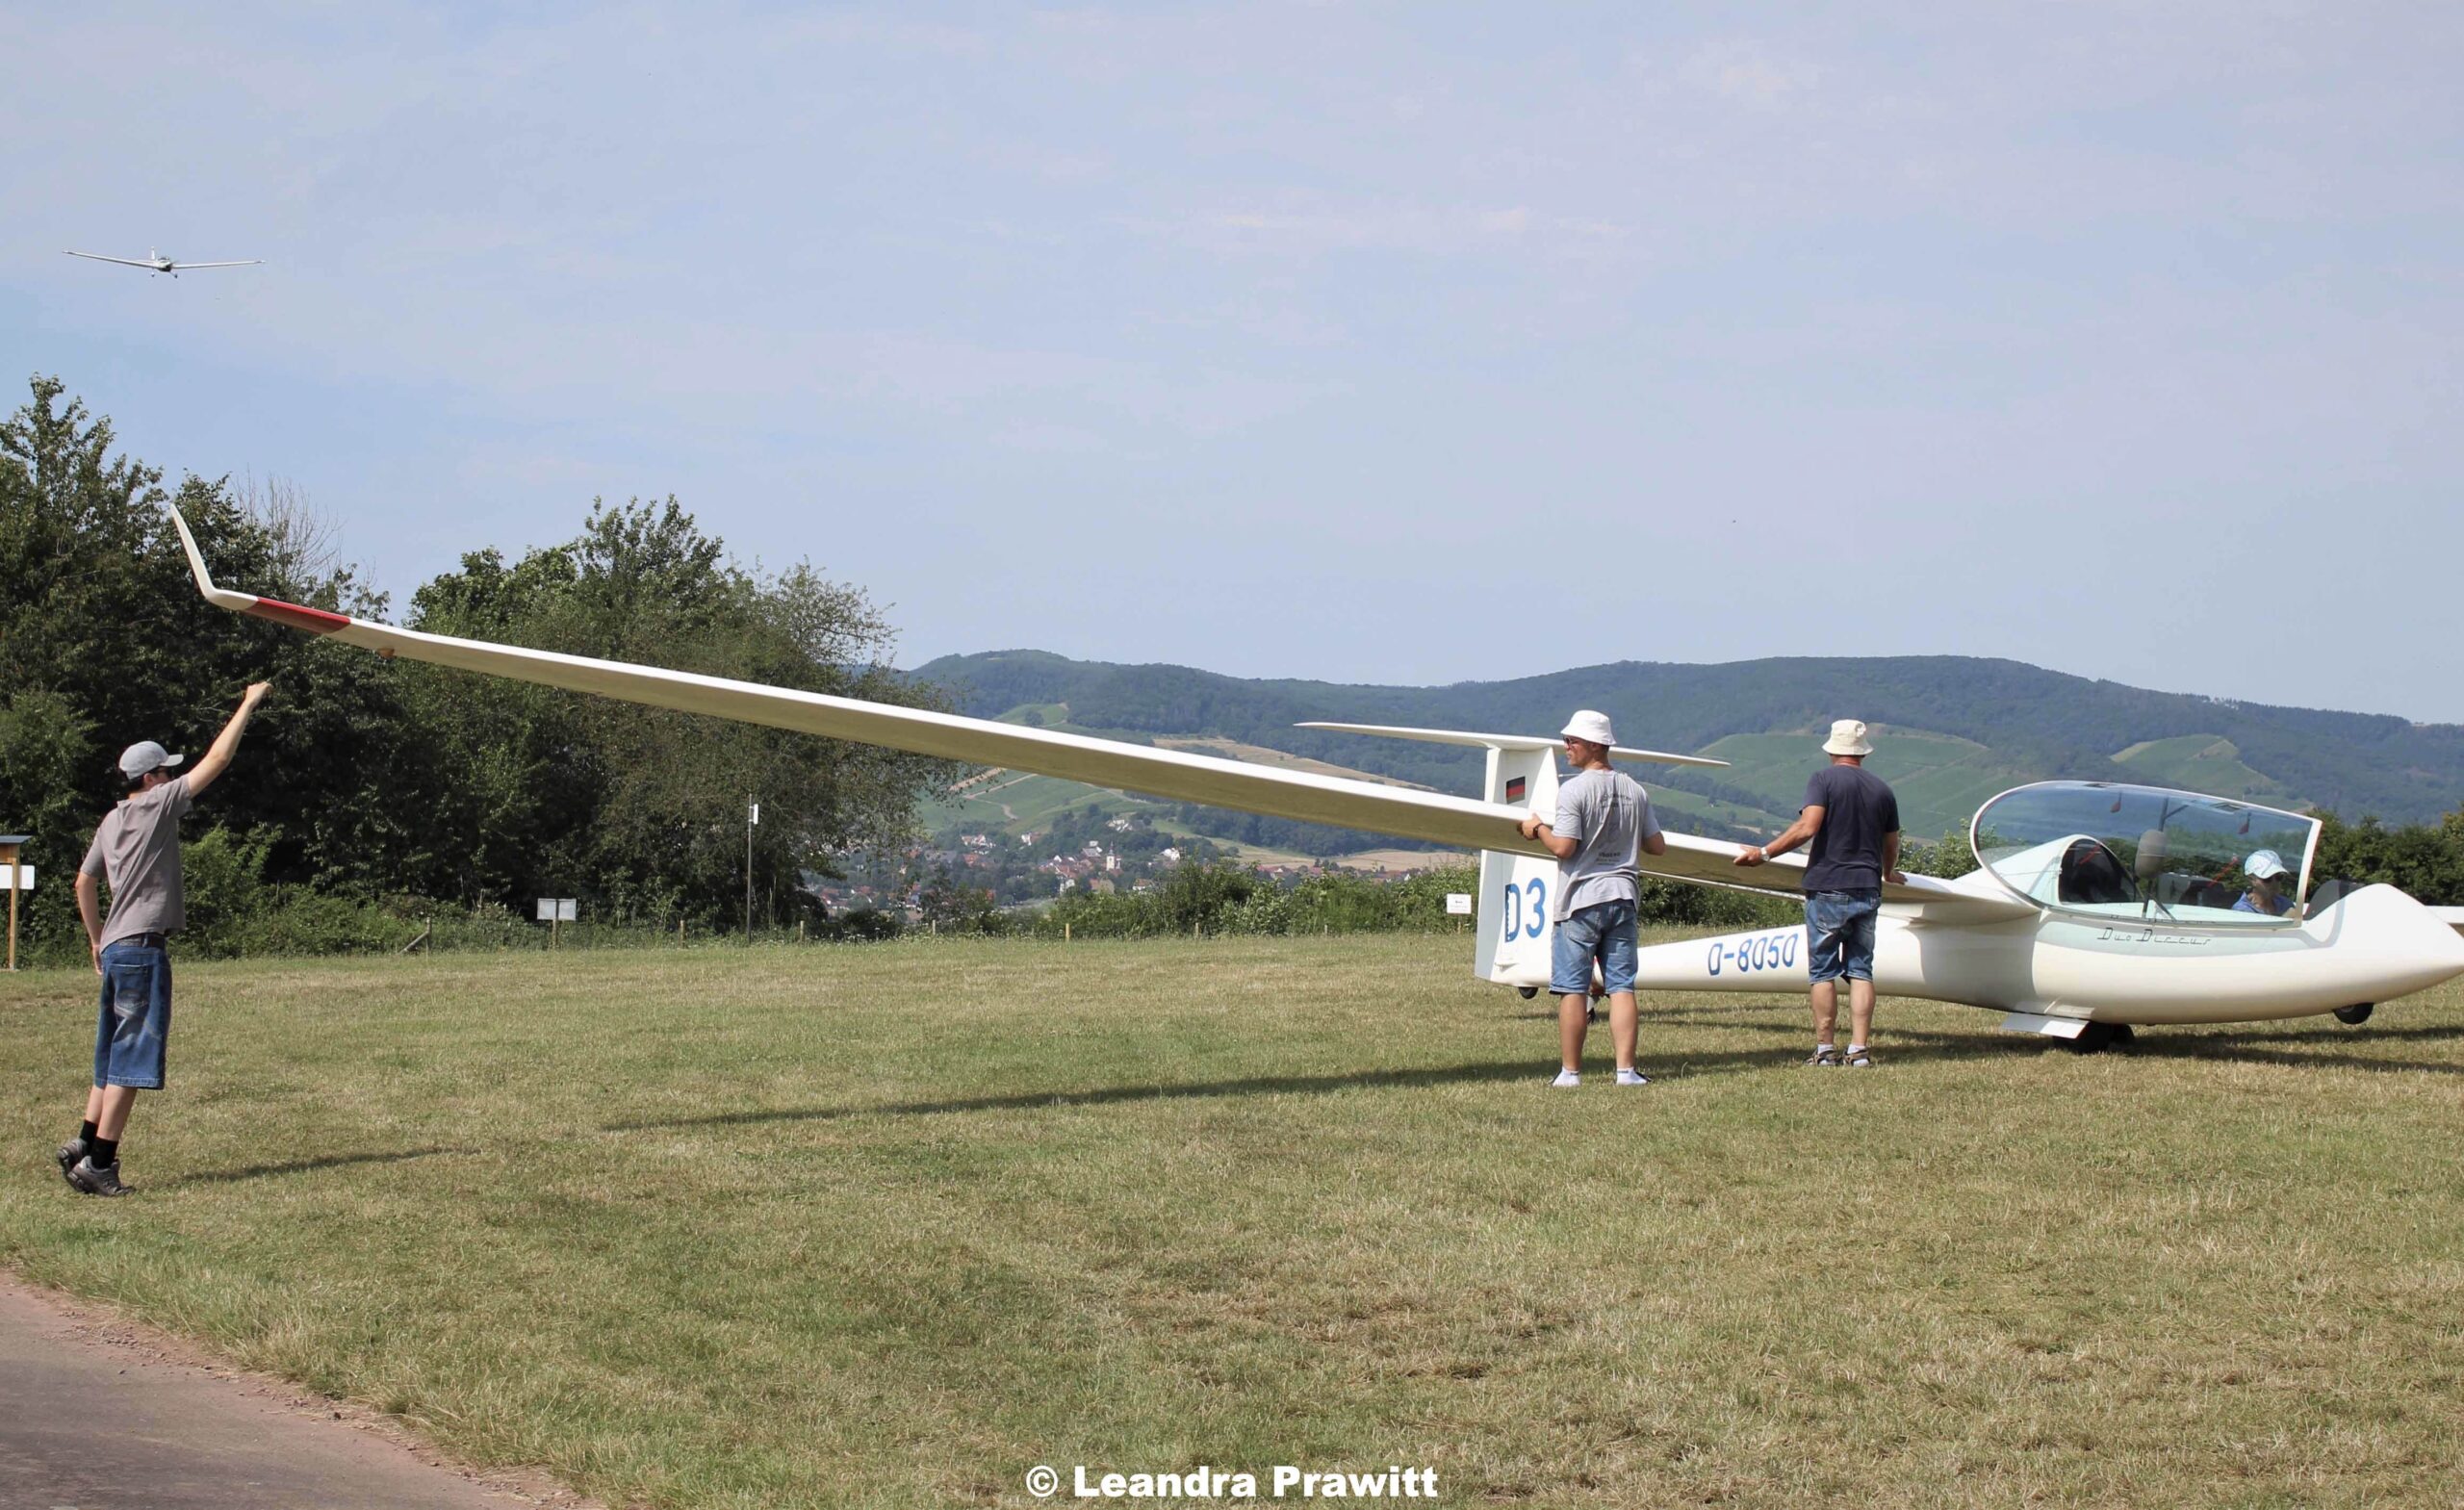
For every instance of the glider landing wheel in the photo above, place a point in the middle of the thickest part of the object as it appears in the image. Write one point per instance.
(1526, 992)
(2355, 1015)
(2098, 1037)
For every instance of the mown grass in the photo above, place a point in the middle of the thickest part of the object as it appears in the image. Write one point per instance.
(887, 1225)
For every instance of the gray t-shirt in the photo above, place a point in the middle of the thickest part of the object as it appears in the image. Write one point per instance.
(1611, 814)
(137, 852)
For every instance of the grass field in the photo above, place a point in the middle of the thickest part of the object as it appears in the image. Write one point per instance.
(888, 1225)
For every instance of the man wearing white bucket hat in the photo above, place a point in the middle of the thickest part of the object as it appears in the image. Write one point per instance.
(1604, 817)
(1852, 819)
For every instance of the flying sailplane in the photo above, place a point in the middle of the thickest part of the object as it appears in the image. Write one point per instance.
(2098, 907)
(156, 262)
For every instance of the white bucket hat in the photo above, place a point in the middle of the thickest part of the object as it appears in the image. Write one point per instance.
(1589, 725)
(2265, 864)
(1847, 738)
(146, 756)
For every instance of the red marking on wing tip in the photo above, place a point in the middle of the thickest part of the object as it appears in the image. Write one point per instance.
(315, 621)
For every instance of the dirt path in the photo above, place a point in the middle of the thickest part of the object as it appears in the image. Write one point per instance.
(99, 1413)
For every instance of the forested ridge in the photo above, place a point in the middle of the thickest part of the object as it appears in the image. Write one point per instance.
(2042, 723)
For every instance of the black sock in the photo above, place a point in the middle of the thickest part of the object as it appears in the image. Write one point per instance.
(86, 1133)
(104, 1151)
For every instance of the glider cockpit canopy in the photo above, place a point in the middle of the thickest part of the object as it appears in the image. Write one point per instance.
(2114, 851)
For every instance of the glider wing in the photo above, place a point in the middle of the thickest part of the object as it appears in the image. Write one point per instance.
(1309, 797)
(125, 262)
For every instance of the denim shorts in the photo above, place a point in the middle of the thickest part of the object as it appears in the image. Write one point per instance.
(1603, 931)
(136, 1017)
(1839, 933)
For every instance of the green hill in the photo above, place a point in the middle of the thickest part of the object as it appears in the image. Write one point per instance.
(1954, 728)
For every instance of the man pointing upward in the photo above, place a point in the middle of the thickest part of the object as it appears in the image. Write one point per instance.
(137, 849)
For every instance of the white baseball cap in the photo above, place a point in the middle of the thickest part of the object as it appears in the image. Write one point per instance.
(146, 756)
(1591, 727)
(1847, 738)
(2264, 864)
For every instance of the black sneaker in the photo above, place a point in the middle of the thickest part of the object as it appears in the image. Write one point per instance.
(69, 1154)
(92, 1181)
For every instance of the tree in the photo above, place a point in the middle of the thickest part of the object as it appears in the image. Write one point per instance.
(103, 641)
(640, 808)
(372, 777)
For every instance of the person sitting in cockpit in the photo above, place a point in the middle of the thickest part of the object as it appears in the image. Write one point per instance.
(2266, 870)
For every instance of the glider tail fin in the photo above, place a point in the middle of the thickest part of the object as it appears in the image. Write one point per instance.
(1515, 900)
(1515, 888)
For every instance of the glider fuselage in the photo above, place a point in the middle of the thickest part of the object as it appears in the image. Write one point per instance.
(2374, 945)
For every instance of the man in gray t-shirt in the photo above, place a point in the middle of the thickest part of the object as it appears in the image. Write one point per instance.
(137, 852)
(1604, 818)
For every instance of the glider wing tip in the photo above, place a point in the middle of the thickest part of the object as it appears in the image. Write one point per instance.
(221, 597)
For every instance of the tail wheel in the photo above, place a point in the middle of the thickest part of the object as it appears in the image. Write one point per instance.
(2355, 1015)
(2098, 1037)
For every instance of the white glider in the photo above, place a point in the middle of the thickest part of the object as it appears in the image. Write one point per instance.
(156, 262)
(2098, 906)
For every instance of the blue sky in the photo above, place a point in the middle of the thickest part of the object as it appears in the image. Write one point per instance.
(1374, 342)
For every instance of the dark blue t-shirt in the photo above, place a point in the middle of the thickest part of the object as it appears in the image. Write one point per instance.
(1858, 809)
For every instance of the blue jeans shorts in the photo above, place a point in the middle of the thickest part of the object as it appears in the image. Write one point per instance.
(136, 1017)
(1603, 931)
(1839, 933)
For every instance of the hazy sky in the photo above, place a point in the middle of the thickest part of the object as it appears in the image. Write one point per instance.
(1385, 342)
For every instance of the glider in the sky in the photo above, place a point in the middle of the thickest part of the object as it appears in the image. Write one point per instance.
(156, 262)
(2098, 906)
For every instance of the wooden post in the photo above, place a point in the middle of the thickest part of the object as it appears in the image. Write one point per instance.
(9, 857)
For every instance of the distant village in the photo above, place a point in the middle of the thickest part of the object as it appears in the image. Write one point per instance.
(1083, 850)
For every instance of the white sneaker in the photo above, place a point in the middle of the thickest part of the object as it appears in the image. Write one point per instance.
(1566, 1077)
(1633, 1077)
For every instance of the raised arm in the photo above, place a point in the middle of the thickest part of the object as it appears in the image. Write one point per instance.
(227, 744)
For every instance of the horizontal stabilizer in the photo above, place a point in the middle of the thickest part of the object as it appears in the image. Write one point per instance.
(1450, 736)
(2452, 916)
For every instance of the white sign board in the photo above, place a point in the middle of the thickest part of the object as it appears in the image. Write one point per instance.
(16, 878)
(1459, 904)
(556, 909)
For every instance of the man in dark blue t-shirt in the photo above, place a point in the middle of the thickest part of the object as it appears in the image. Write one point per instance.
(1853, 820)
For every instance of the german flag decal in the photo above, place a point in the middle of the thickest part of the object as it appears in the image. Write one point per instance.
(1514, 788)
